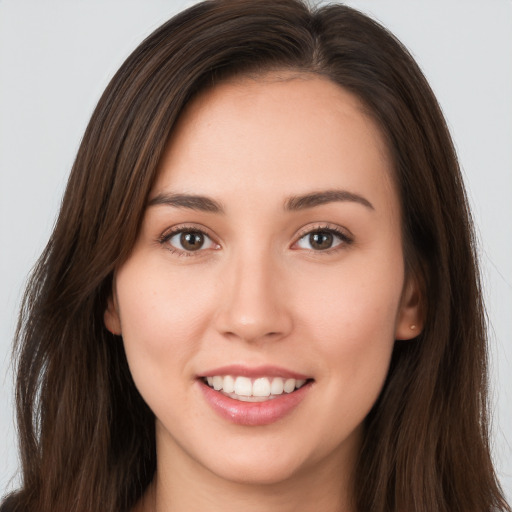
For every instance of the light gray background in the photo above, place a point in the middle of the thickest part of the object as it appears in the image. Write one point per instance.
(56, 57)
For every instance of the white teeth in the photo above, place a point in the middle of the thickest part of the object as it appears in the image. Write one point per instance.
(277, 386)
(217, 382)
(289, 385)
(229, 384)
(261, 387)
(243, 386)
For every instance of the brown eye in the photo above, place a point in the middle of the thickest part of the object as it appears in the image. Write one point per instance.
(187, 241)
(321, 240)
(191, 240)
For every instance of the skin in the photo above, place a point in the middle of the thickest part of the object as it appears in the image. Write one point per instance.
(259, 293)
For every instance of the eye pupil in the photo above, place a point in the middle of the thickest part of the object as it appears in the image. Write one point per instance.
(192, 240)
(321, 240)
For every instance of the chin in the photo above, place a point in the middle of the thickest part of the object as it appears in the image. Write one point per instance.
(265, 461)
(255, 473)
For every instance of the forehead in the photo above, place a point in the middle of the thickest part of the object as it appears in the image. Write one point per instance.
(298, 132)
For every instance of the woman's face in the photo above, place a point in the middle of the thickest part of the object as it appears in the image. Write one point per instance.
(270, 256)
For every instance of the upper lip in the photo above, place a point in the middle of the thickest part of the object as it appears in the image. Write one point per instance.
(255, 372)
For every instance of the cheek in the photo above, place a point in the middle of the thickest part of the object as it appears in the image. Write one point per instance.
(353, 300)
(351, 318)
(354, 337)
(355, 330)
(163, 318)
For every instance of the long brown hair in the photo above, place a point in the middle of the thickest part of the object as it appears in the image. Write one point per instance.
(87, 438)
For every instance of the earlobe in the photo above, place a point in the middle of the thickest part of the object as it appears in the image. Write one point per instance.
(410, 316)
(111, 316)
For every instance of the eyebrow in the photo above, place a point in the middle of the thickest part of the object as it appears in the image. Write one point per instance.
(293, 203)
(305, 201)
(192, 202)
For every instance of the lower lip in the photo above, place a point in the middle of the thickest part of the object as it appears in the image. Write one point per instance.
(253, 413)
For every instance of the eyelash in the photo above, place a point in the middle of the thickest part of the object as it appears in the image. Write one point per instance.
(167, 236)
(344, 238)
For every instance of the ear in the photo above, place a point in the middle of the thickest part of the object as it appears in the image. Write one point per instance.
(410, 317)
(111, 316)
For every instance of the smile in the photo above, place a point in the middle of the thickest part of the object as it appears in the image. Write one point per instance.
(254, 396)
(260, 389)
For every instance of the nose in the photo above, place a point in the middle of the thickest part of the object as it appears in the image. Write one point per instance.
(253, 305)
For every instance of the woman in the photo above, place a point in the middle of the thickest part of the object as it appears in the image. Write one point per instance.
(261, 291)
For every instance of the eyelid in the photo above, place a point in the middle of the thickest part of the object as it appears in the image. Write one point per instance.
(343, 234)
(169, 233)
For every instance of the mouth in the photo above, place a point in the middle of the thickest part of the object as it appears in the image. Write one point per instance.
(254, 397)
(246, 389)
